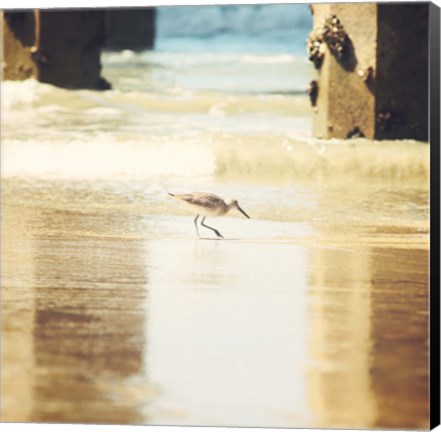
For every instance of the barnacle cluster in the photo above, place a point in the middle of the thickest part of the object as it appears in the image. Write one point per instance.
(367, 75)
(355, 132)
(313, 92)
(335, 36)
(316, 48)
(331, 34)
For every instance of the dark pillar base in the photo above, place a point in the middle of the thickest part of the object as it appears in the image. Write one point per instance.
(56, 47)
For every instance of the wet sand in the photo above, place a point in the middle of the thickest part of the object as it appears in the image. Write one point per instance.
(113, 317)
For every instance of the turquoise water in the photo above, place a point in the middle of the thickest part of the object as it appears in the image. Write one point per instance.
(257, 29)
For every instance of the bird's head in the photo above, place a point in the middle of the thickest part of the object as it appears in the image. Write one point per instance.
(235, 204)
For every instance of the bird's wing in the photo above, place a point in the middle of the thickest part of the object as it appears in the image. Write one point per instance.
(202, 199)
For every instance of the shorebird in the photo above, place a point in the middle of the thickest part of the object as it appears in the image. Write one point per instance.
(207, 204)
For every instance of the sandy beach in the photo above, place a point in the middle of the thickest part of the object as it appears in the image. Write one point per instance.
(119, 317)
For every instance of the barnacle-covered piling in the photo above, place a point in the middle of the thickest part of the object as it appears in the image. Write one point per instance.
(371, 66)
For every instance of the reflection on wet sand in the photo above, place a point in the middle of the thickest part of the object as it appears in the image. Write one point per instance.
(114, 317)
(17, 318)
(368, 338)
(82, 346)
(400, 352)
(340, 338)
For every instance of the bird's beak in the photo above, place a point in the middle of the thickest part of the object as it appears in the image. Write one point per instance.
(238, 208)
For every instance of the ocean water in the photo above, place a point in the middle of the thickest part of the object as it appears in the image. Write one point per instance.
(220, 105)
(311, 314)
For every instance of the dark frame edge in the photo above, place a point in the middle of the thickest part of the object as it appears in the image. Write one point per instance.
(434, 107)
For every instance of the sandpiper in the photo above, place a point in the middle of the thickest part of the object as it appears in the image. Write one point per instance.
(208, 204)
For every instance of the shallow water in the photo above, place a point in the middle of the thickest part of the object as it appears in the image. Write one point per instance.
(313, 313)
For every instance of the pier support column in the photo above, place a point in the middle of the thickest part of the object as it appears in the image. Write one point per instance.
(371, 70)
(56, 47)
(130, 28)
(18, 39)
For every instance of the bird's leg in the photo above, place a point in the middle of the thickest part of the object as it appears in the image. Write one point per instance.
(212, 229)
(196, 225)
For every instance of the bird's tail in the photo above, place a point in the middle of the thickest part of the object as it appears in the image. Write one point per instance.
(172, 195)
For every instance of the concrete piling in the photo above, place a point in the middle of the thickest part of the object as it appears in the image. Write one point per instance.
(18, 39)
(370, 70)
(56, 47)
(63, 47)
